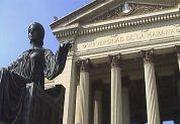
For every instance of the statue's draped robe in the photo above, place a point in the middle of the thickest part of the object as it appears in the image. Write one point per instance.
(14, 94)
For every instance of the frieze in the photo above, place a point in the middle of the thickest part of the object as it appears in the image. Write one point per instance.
(124, 38)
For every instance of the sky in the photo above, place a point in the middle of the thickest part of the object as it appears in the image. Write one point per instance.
(17, 15)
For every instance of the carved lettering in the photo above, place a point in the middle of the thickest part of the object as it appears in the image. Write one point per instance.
(123, 38)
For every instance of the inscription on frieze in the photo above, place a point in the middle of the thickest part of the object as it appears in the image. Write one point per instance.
(125, 38)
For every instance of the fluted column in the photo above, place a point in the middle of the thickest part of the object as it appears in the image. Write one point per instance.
(177, 120)
(151, 88)
(116, 90)
(178, 58)
(98, 107)
(126, 106)
(82, 103)
(178, 54)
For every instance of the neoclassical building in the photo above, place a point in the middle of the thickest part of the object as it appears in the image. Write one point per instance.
(124, 65)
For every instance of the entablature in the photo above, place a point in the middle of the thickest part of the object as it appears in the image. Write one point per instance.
(78, 29)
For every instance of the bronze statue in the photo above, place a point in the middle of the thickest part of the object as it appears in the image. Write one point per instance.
(31, 67)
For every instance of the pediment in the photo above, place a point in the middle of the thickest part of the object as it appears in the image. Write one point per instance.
(100, 10)
(126, 10)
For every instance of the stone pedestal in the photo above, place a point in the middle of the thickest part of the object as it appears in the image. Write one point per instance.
(116, 91)
(151, 89)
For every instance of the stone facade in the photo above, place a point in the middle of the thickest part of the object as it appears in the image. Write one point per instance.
(97, 37)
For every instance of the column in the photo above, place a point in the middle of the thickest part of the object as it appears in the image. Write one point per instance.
(98, 107)
(177, 120)
(82, 103)
(116, 90)
(178, 54)
(152, 105)
(70, 117)
(126, 106)
(178, 58)
(71, 87)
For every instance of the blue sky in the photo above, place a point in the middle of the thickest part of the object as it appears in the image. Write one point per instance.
(15, 17)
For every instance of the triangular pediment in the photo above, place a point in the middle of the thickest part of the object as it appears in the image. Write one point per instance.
(100, 10)
(125, 10)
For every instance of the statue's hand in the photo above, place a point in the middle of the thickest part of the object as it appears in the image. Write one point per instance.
(67, 44)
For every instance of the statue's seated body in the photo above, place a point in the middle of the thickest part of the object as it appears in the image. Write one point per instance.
(23, 99)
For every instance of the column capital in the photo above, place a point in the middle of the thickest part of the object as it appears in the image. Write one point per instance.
(84, 64)
(147, 55)
(115, 60)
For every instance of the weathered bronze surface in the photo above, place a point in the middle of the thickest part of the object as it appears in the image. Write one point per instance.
(23, 99)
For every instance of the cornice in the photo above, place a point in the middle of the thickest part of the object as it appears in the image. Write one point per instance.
(80, 12)
(145, 19)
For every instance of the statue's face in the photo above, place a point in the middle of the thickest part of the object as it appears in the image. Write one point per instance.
(34, 33)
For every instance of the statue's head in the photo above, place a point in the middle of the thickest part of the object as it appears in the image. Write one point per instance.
(36, 33)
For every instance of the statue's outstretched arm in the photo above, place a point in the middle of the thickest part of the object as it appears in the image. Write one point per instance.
(55, 63)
